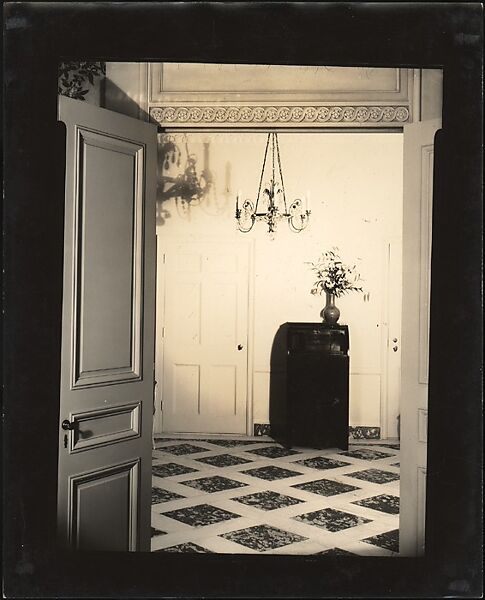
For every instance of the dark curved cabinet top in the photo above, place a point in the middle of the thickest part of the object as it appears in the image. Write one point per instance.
(317, 337)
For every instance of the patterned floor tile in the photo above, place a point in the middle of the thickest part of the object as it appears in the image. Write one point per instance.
(273, 452)
(388, 540)
(322, 462)
(159, 495)
(263, 537)
(374, 475)
(267, 500)
(200, 515)
(331, 519)
(223, 460)
(270, 473)
(325, 487)
(261, 514)
(171, 469)
(366, 454)
(186, 547)
(336, 552)
(180, 449)
(382, 503)
(214, 484)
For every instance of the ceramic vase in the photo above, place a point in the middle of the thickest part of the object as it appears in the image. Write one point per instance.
(330, 313)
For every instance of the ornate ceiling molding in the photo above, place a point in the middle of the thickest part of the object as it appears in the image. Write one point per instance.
(277, 115)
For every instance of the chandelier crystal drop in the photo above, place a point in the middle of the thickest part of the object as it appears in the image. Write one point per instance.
(271, 206)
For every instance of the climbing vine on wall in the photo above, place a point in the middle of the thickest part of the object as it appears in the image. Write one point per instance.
(75, 77)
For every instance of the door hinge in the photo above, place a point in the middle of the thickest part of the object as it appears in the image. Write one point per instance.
(163, 332)
(164, 258)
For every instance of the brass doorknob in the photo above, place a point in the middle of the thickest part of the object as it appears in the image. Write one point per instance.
(240, 346)
(395, 348)
(68, 425)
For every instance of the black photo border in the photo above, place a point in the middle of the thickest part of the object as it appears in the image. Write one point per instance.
(38, 36)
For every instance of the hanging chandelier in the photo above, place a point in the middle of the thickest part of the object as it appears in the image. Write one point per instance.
(271, 205)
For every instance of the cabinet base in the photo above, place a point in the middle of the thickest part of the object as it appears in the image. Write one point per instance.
(294, 442)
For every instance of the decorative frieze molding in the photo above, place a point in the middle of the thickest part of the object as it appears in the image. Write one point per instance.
(251, 116)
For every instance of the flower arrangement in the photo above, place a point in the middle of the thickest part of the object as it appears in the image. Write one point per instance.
(75, 77)
(333, 276)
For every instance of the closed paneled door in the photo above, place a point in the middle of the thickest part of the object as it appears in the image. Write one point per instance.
(204, 336)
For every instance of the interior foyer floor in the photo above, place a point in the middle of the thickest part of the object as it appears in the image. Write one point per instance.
(251, 495)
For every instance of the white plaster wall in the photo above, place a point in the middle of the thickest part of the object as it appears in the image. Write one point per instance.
(355, 186)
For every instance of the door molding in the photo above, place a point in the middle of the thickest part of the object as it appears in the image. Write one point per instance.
(426, 211)
(160, 320)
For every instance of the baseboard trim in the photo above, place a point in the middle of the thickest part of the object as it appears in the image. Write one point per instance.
(261, 429)
(359, 432)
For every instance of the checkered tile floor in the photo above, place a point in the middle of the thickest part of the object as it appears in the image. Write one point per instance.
(251, 495)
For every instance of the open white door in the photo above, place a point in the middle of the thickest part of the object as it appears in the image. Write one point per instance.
(108, 321)
(417, 220)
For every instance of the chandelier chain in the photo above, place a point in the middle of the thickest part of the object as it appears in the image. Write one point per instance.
(281, 173)
(262, 175)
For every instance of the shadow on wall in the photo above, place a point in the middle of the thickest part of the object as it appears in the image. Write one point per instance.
(120, 102)
(186, 180)
(115, 99)
(277, 387)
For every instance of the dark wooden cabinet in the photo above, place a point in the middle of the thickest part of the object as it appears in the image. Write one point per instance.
(309, 387)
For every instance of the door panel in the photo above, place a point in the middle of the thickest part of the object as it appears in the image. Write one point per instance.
(417, 211)
(205, 329)
(107, 330)
(115, 529)
(107, 284)
(105, 426)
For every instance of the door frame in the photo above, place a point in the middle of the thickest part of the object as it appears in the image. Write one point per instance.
(160, 319)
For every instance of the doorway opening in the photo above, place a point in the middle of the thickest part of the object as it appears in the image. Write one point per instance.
(356, 204)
